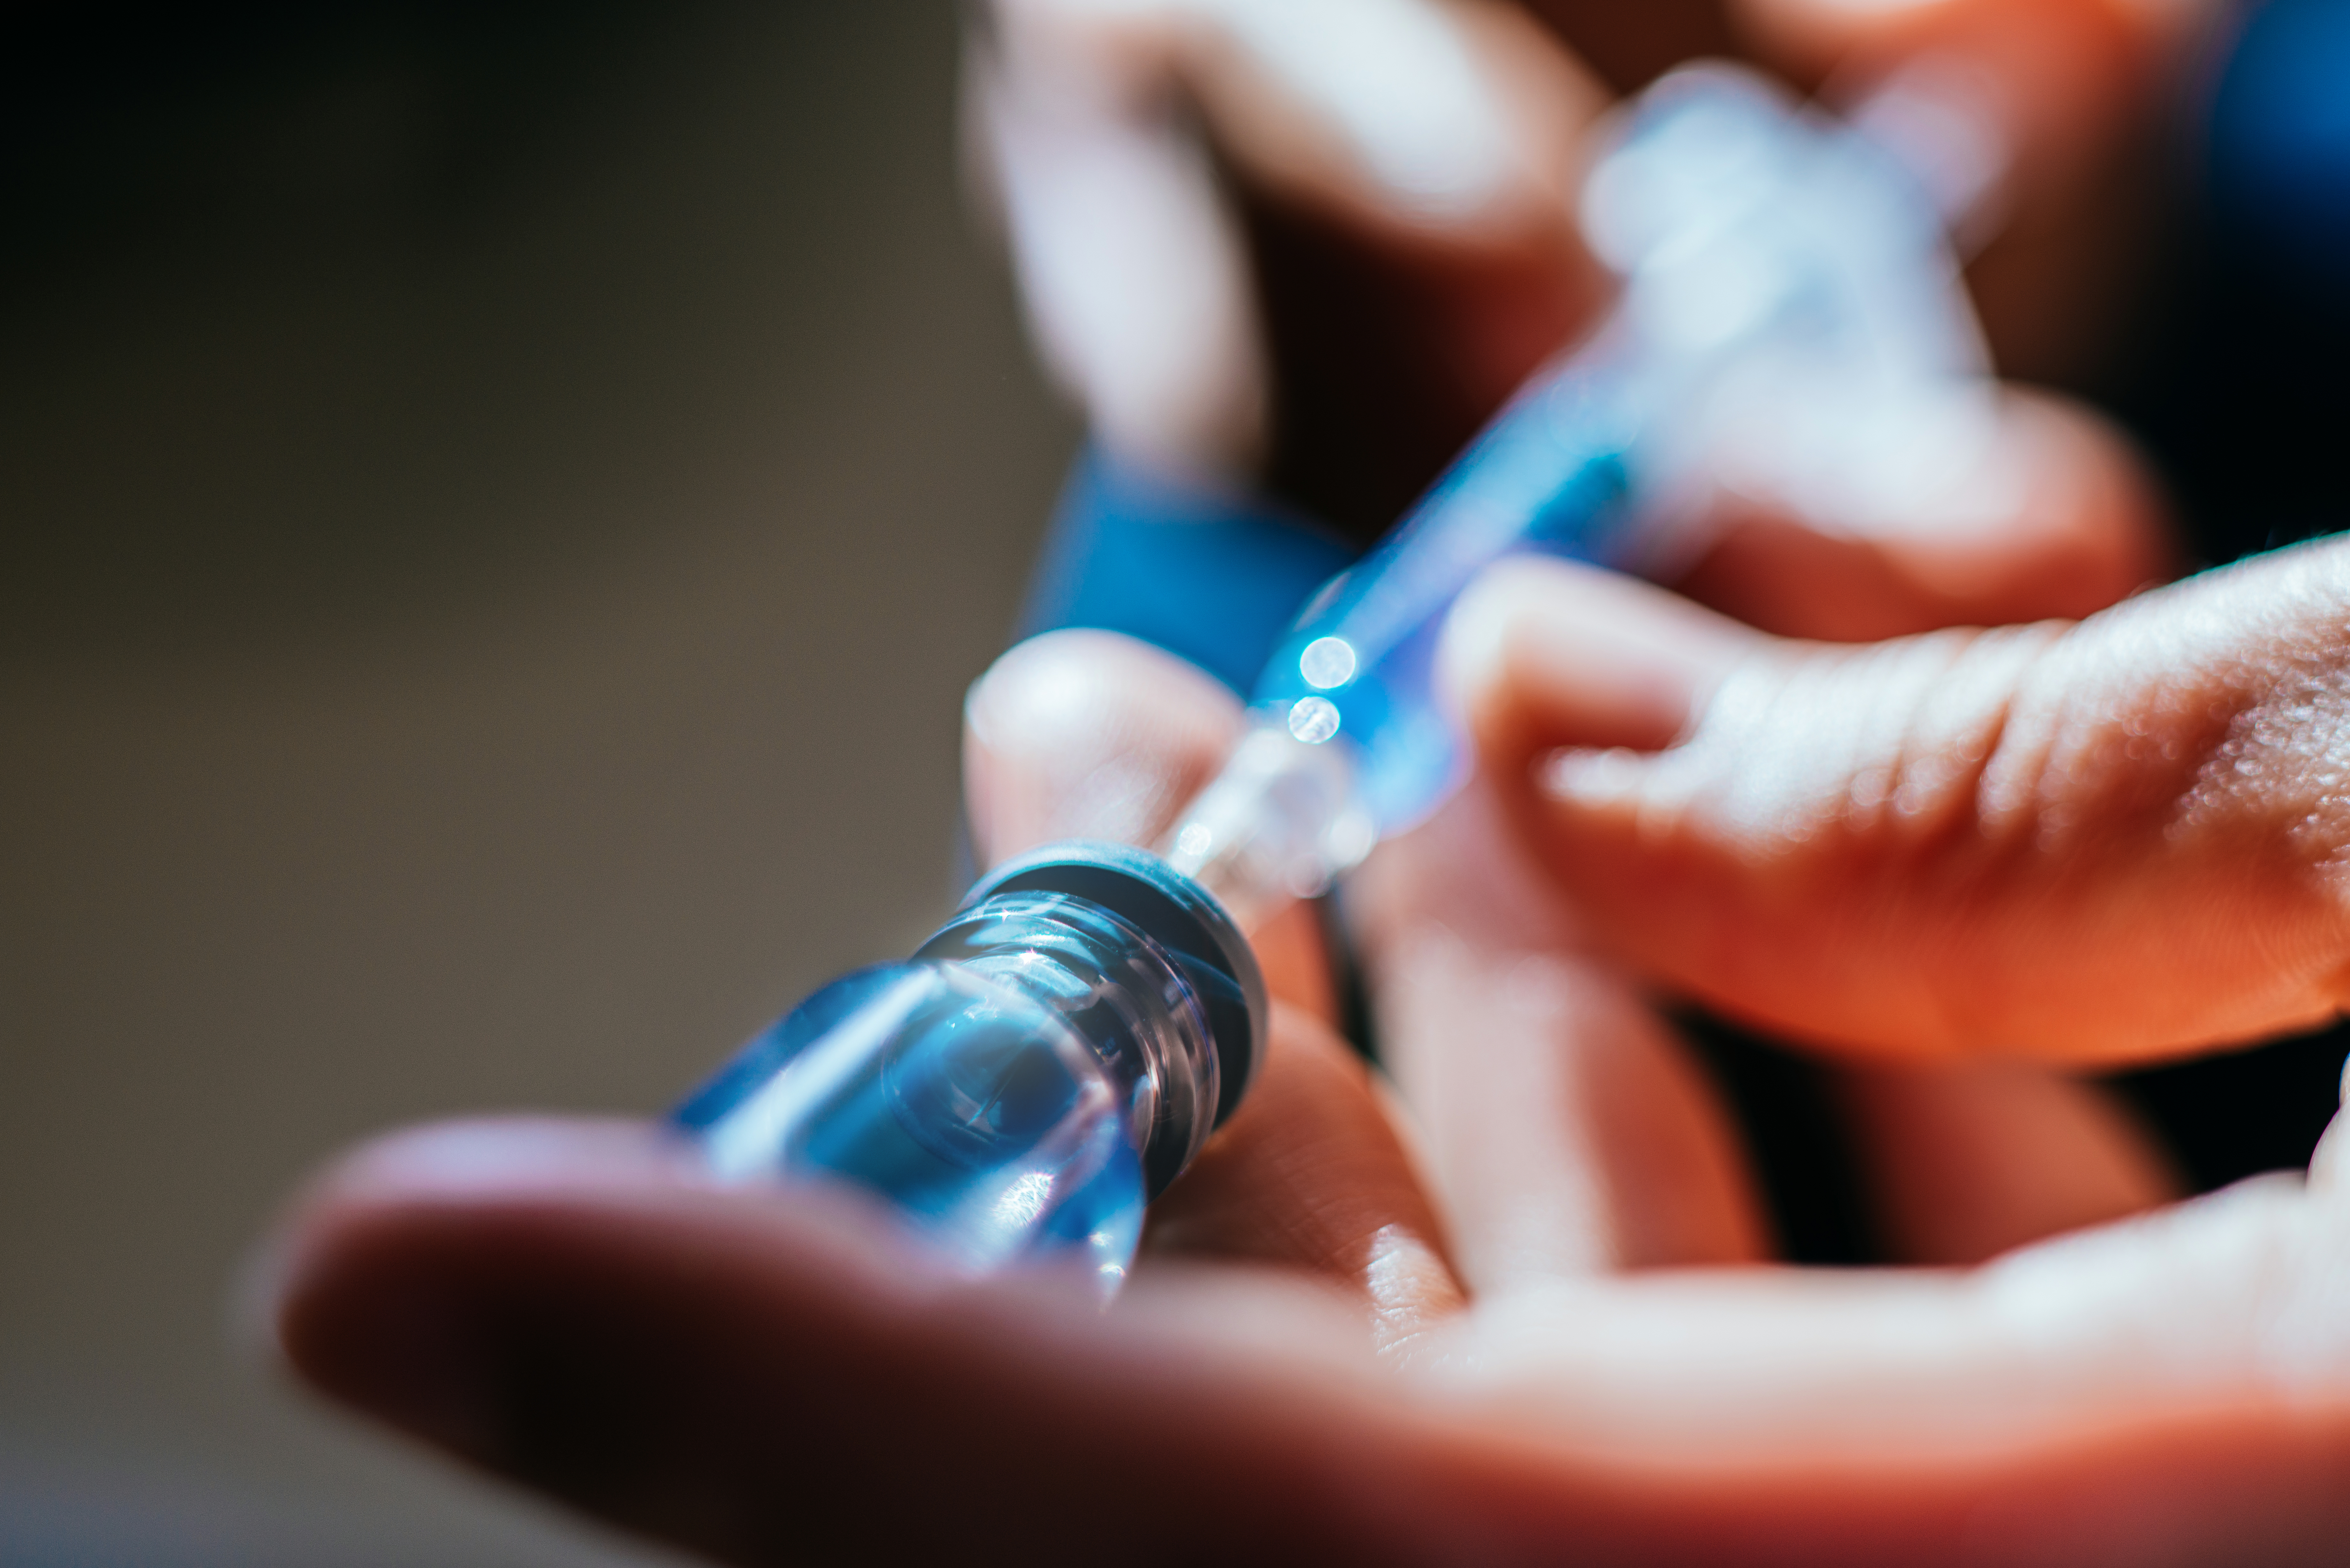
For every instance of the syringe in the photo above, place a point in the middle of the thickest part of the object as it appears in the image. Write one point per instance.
(1055, 1055)
(1791, 318)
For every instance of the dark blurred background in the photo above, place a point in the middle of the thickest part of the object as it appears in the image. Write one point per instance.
(498, 507)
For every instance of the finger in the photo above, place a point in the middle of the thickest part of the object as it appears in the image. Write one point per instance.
(2053, 79)
(1439, 122)
(2040, 106)
(2047, 515)
(1566, 1128)
(2052, 518)
(1394, 334)
(761, 1379)
(1310, 1175)
(2177, 1389)
(1131, 270)
(1964, 1163)
(1231, 219)
(2106, 841)
(1631, 46)
(1090, 735)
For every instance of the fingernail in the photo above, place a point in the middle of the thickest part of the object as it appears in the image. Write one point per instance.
(1578, 775)
(1585, 658)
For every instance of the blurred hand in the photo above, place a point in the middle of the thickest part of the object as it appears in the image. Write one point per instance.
(1311, 245)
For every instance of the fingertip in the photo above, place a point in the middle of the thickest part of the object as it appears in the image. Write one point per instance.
(575, 1305)
(359, 1289)
(1088, 734)
(1587, 778)
(1040, 686)
(2050, 516)
(1544, 654)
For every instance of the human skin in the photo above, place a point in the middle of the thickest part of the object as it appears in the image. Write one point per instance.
(1328, 1349)
(2102, 843)
(1311, 247)
(1517, 1306)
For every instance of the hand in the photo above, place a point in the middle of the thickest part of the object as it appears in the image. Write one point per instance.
(1311, 247)
(770, 1376)
(2108, 843)
(766, 1376)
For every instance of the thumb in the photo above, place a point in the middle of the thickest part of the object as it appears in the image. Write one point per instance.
(2097, 842)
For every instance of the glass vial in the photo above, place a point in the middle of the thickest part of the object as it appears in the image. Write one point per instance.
(1028, 1080)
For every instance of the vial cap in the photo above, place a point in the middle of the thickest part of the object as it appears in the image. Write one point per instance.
(1177, 914)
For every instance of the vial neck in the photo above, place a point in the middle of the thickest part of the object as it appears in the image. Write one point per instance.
(1280, 823)
(1118, 992)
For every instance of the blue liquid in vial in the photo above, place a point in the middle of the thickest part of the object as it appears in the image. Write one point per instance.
(973, 1109)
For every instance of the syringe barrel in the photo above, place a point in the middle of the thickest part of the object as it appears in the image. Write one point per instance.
(1027, 1081)
(1351, 741)
(1551, 475)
